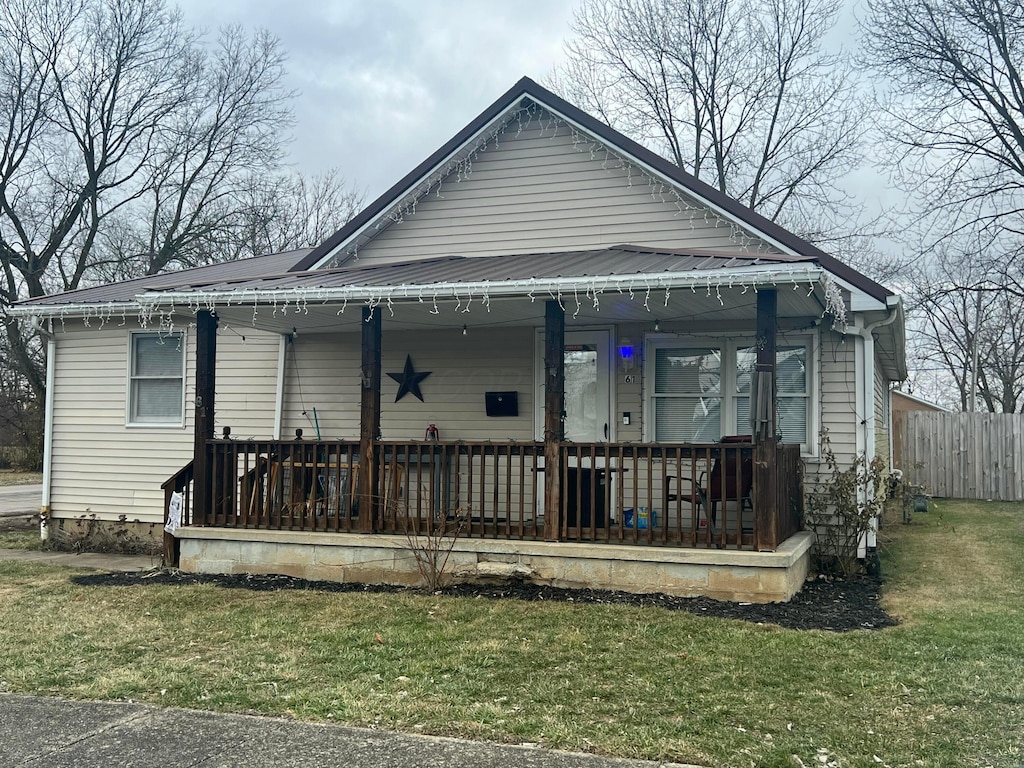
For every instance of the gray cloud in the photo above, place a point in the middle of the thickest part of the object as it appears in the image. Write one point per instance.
(383, 84)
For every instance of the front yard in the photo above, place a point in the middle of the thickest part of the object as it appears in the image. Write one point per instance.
(945, 688)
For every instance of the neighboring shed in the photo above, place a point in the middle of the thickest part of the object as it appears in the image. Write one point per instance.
(901, 404)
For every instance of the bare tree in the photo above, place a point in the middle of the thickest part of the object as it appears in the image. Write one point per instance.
(955, 100)
(741, 93)
(970, 328)
(294, 211)
(131, 144)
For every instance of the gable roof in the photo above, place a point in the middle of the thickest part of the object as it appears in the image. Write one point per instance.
(527, 89)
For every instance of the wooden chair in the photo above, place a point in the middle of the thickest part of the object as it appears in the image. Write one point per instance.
(720, 483)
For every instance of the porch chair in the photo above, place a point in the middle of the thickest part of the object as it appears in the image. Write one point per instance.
(720, 483)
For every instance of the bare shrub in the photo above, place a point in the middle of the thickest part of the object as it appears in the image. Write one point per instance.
(842, 508)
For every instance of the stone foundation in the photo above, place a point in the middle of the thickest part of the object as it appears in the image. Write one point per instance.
(757, 577)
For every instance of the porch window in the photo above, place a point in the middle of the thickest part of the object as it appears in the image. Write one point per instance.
(688, 395)
(701, 393)
(156, 387)
(792, 392)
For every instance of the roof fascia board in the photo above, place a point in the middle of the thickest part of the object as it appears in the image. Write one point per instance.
(859, 300)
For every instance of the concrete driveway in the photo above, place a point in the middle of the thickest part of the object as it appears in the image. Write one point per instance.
(19, 505)
(53, 733)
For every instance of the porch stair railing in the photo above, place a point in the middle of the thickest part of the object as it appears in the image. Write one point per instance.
(180, 482)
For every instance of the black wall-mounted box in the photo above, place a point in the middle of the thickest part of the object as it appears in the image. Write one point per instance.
(502, 403)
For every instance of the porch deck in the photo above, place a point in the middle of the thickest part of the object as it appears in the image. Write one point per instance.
(641, 517)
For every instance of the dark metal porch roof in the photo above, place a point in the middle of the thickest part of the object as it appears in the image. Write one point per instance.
(622, 260)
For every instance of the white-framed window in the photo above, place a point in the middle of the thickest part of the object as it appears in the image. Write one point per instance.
(156, 379)
(699, 390)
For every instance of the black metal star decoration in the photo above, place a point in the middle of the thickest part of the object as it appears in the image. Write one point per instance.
(409, 381)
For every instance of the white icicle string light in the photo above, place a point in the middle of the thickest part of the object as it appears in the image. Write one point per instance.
(835, 304)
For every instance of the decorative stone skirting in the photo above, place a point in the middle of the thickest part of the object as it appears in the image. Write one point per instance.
(760, 577)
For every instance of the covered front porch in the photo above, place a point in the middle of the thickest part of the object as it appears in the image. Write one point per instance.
(570, 507)
(294, 507)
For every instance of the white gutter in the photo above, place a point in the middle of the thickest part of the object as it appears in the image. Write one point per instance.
(282, 356)
(800, 275)
(44, 507)
(57, 311)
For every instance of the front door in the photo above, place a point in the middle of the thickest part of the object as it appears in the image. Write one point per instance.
(587, 391)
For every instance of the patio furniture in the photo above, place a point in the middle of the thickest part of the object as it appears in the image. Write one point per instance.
(720, 484)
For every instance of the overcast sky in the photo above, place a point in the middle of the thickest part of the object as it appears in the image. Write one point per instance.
(384, 83)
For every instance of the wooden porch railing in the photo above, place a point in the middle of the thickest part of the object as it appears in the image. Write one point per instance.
(734, 495)
(180, 482)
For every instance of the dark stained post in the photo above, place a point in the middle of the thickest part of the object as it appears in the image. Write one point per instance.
(369, 419)
(206, 387)
(554, 406)
(766, 502)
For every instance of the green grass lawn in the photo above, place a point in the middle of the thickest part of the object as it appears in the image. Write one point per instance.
(21, 539)
(946, 688)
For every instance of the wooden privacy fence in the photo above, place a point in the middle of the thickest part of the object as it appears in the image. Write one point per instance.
(963, 455)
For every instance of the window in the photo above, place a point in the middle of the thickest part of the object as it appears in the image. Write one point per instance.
(687, 395)
(156, 379)
(700, 393)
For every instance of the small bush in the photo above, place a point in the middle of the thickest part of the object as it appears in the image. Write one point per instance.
(842, 507)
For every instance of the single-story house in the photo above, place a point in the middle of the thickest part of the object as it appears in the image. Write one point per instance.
(595, 368)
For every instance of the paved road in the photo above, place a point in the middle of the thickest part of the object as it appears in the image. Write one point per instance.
(37, 732)
(20, 500)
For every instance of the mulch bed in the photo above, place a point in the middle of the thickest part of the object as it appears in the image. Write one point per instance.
(823, 603)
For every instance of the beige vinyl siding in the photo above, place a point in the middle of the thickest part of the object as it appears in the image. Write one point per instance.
(539, 191)
(103, 467)
(323, 372)
(628, 397)
(839, 393)
(881, 415)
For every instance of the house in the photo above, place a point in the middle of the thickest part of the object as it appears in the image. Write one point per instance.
(602, 371)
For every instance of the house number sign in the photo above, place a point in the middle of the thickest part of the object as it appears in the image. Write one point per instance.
(630, 378)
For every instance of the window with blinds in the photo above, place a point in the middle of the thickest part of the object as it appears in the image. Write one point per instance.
(688, 395)
(156, 379)
(701, 393)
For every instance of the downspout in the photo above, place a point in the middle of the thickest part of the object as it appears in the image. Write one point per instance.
(51, 360)
(282, 356)
(866, 400)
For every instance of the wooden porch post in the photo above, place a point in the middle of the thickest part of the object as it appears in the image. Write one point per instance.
(554, 405)
(369, 419)
(765, 496)
(206, 387)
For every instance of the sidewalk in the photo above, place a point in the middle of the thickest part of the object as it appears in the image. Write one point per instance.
(92, 560)
(70, 734)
